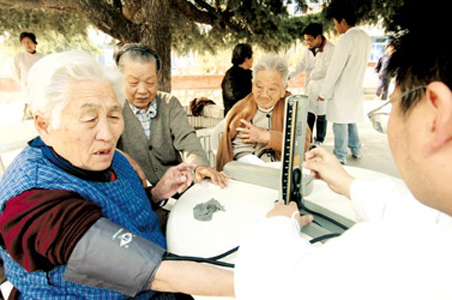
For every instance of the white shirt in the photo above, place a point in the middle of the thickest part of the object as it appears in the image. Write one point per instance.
(22, 64)
(401, 250)
(315, 68)
(343, 86)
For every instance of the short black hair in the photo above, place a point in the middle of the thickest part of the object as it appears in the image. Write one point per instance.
(29, 35)
(343, 9)
(314, 30)
(240, 52)
(414, 62)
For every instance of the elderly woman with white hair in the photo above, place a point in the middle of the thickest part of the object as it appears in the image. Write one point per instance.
(254, 125)
(75, 220)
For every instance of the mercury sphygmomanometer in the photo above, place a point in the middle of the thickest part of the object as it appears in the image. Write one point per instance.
(294, 185)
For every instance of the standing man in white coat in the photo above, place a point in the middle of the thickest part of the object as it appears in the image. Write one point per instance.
(343, 87)
(315, 61)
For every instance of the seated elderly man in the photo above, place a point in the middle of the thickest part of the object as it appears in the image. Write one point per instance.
(157, 133)
(254, 125)
(75, 220)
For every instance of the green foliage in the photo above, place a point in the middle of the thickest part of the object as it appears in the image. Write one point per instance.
(263, 23)
(369, 11)
(55, 30)
(266, 24)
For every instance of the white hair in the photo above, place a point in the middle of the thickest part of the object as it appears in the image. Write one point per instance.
(49, 80)
(273, 63)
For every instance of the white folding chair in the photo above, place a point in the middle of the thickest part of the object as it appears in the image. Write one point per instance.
(215, 136)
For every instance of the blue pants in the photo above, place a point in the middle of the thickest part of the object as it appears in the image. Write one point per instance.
(346, 135)
(320, 126)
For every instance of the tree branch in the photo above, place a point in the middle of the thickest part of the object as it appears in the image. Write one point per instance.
(192, 13)
(131, 7)
(117, 5)
(103, 15)
(217, 19)
(33, 4)
(206, 6)
(110, 21)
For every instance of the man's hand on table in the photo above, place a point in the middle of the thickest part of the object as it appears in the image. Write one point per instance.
(175, 180)
(218, 178)
(290, 211)
(324, 165)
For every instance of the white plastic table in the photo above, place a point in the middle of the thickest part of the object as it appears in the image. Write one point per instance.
(244, 204)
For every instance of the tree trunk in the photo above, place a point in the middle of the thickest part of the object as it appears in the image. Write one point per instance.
(157, 35)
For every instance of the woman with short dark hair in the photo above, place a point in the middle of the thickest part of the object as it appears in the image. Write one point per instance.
(236, 83)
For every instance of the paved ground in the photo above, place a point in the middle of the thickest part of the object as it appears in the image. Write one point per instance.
(375, 147)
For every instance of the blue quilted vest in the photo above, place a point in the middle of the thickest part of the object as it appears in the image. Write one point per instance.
(123, 201)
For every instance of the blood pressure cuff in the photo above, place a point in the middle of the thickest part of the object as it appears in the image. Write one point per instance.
(111, 257)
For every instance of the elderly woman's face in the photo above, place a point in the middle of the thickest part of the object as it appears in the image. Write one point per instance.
(267, 88)
(90, 126)
(140, 83)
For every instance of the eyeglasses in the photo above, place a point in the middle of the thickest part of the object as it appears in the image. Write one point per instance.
(380, 117)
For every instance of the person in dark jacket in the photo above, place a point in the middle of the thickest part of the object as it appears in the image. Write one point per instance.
(236, 83)
(383, 75)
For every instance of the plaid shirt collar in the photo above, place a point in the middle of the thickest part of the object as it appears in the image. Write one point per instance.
(151, 111)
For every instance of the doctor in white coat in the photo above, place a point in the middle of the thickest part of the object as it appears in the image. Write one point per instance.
(343, 87)
(315, 61)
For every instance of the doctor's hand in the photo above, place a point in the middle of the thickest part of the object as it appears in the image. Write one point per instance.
(324, 165)
(252, 133)
(218, 178)
(175, 180)
(290, 210)
(320, 99)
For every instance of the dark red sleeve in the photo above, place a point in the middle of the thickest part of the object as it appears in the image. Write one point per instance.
(40, 228)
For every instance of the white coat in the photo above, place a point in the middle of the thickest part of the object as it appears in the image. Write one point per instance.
(343, 86)
(315, 68)
(399, 250)
(22, 64)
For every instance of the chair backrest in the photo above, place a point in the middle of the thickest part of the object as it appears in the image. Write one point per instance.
(6, 288)
(215, 136)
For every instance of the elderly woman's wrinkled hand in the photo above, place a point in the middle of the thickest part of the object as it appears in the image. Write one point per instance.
(218, 178)
(253, 134)
(324, 165)
(175, 180)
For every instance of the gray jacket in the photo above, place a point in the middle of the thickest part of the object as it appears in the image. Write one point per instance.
(172, 140)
